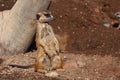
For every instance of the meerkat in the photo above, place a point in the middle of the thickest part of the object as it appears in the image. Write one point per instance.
(47, 45)
(48, 57)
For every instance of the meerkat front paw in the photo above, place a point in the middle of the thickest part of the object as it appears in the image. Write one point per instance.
(42, 71)
(57, 48)
(46, 49)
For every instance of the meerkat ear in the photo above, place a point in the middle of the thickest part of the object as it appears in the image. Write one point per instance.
(37, 16)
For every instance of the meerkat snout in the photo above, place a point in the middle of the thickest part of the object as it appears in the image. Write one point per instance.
(37, 16)
(44, 16)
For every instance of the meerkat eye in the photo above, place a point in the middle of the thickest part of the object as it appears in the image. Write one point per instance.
(38, 16)
(47, 15)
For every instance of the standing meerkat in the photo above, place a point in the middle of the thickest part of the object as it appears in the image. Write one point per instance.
(47, 45)
(48, 57)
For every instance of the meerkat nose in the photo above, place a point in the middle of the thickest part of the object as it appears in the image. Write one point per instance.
(37, 16)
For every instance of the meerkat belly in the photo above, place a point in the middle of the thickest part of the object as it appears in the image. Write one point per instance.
(48, 40)
(50, 44)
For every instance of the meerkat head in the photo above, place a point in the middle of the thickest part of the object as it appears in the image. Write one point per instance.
(117, 15)
(44, 16)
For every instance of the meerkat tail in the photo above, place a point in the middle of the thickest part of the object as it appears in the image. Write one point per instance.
(23, 67)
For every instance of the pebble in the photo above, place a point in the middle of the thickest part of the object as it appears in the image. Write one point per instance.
(52, 74)
(97, 10)
(106, 25)
(2, 5)
(75, 9)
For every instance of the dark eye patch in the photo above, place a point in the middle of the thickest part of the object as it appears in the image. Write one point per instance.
(38, 16)
(47, 15)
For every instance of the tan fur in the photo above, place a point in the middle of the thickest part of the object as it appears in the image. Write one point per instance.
(40, 64)
(47, 45)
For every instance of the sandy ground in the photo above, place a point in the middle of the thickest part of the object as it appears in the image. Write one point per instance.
(76, 67)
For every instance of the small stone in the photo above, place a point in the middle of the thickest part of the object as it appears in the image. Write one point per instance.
(74, 8)
(52, 74)
(106, 25)
(2, 5)
(86, 4)
(61, 16)
(59, 27)
(73, 32)
(87, 79)
(81, 12)
(79, 77)
(92, 30)
(64, 57)
(97, 10)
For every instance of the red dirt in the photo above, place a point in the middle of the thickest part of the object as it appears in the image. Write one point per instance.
(83, 21)
(79, 28)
